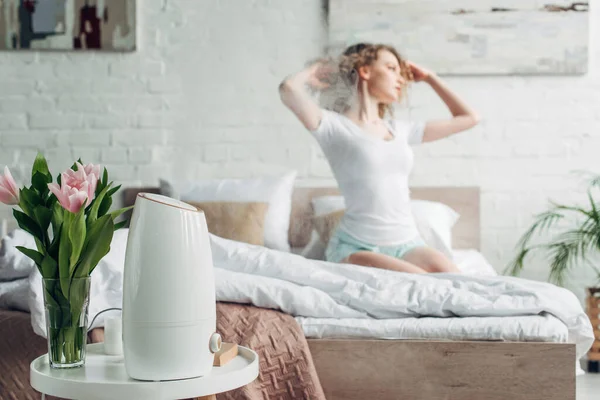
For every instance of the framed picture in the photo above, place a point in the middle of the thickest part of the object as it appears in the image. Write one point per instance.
(80, 25)
(470, 37)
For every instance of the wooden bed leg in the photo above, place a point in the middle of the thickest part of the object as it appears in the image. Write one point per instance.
(593, 312)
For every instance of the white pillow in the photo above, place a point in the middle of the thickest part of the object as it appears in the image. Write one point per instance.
(275, 190)
(434, 222)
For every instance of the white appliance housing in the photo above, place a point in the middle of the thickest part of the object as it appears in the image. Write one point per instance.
(169, 304)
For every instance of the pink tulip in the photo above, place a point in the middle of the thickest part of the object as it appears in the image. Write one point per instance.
(9, 192)
(77, 187)
(93, 169)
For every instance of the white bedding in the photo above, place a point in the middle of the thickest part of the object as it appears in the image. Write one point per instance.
(345, 300)
(526, 328)
(472, 262)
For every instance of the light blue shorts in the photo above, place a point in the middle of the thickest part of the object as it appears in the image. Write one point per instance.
(341, 245)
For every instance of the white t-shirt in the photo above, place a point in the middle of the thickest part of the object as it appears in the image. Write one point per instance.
(372, 174)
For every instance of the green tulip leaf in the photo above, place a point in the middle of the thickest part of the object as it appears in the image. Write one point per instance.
(49, 267)
(58, 213)
(36, 256)
(120, 225)
(64, 254)
(113, 190)
(53, 249)
(43, 217)
(115, 214)
(94, 211)
(77, 238)
(99, 237)
(40, 183)
(40, 165)
(104, 206)
(28, 224)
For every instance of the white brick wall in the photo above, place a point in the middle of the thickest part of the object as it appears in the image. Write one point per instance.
(199, 98)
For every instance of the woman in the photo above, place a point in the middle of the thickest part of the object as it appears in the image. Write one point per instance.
(370, 155)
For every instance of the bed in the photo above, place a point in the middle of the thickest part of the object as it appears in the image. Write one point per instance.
(360, 368)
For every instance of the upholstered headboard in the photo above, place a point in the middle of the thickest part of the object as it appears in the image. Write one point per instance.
(464, 200)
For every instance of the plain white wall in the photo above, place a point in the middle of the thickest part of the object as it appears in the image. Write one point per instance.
(199, 99)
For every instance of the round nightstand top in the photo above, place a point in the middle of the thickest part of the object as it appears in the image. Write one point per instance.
(104, 377)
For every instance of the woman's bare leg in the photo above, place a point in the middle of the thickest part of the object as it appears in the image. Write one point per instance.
(376, 260)
(431, 260)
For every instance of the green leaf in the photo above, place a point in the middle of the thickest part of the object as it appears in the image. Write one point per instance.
(50, 295)
(560, 254)
(571, 208)
(77, 239)
(104, 206)
(28, 224)
(43, 217)
(51, 201)
(31, 197)
(49, 267)
(102, 182)
(53, 249)
(107, 201)
(115, 214)
(79, 291)
(40, 165)
(99, 237)
(120, 225)
(594, 213)
(57, 217)
(93, 215)
(595, 182)
(518, 263)
(64, 254)
(40, 183)
(567, 250)
(28, 199)
(543, 222)
(113, 190)
(36, 256)
(40, 246)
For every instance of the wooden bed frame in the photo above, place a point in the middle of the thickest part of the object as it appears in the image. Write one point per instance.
(352, 369)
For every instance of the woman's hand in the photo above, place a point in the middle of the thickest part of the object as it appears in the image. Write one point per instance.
(295, 91)
(321, 74)
(419, 73)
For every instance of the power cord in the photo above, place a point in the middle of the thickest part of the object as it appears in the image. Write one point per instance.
(103, 311)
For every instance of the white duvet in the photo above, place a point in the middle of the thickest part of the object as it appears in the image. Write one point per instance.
(330, 299)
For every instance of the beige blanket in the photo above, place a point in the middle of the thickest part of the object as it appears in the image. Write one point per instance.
(286, 367)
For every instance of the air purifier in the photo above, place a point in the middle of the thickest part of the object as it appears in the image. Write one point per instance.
(169, 304)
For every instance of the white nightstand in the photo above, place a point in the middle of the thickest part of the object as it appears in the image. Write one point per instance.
(104, 378)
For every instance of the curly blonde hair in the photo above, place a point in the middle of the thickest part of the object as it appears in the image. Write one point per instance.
(362, 54)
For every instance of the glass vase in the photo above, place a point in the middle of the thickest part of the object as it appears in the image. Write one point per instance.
(66, 306)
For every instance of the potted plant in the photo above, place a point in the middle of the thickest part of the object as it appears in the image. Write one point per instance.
(73, 229)
(569, 247)
(579, 239)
